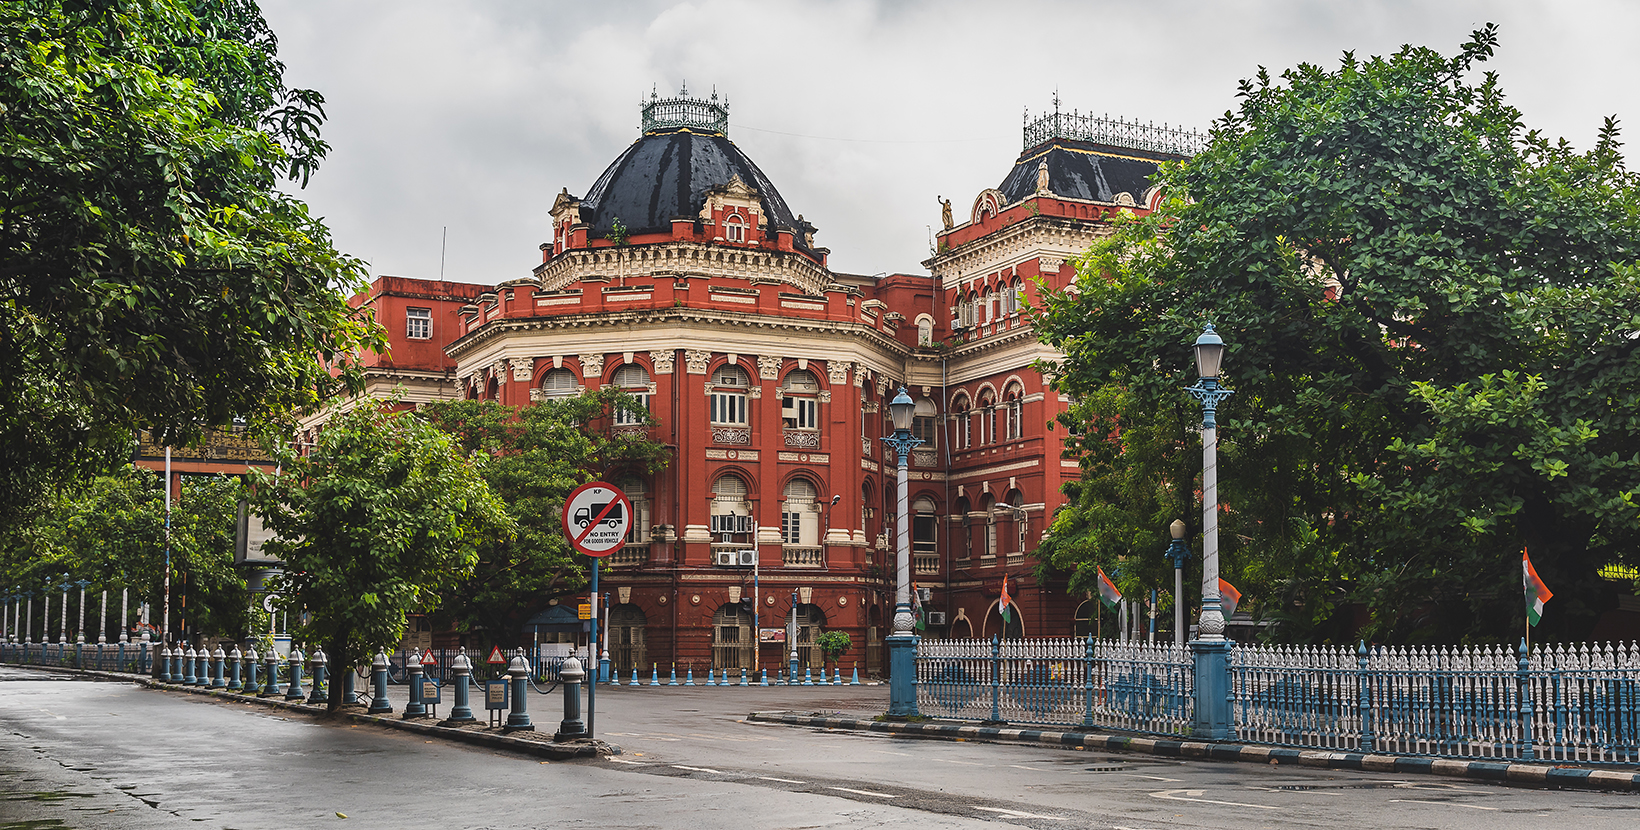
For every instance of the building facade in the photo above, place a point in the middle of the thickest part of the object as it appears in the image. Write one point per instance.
(683, 277)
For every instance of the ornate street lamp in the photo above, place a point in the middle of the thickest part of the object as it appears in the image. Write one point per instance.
(1212, 651)
(902, 643)
(1178, 551)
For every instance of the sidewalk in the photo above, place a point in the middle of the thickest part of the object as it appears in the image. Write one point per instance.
(1528, 774)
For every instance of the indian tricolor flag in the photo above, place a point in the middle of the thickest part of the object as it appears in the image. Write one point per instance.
(1107, 591)
(1229, 598)
(1005, 606)
(1536, 592)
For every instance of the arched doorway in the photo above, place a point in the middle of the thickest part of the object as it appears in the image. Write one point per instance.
(1014, 629)
(734, 644)
(626, 638)
(810, 620)
(962, 628)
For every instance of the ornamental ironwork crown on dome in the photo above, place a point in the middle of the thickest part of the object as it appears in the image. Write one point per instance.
(1111, 132)
(685, 113)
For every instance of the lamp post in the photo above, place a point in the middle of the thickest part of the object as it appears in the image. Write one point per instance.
(1212, 651)
(82, 583)
(1178, 551)
(902, 643)
(62, 624)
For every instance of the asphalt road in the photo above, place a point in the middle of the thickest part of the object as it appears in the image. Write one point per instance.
(86, 754)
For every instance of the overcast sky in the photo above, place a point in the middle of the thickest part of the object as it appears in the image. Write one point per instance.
(473, 115)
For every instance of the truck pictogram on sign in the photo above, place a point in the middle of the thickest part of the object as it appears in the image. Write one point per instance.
(597, 517)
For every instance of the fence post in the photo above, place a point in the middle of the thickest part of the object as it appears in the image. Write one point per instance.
(1524, 674)
(1087, 684)
(1369, 741)
(996, 679)
(1212, 666)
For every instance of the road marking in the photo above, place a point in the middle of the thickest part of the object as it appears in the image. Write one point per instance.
(886, 752)
(781, 780)
(1440, 803)
(696, 769)
(1031, 769)
(863, 792)
(1153, 777)
(1195, 795)
(1018, 814)
(625, 761)
(964, 763)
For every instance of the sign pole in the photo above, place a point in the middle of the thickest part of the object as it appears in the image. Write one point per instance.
(592, 658)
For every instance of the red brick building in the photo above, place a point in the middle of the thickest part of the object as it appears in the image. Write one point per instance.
(685, 278)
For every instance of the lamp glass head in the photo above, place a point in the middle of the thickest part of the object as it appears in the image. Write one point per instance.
(901, 409)
(1209, 353)
(1177, 529)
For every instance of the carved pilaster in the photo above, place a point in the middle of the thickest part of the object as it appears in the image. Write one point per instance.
(696, 361)
(768, 367)
(522, 369)
(662, 362)
(837, 371)
(860, 372)
(498, 370)
(592, 365)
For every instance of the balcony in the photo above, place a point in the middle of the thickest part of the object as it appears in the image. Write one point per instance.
(926, 564)
(801, 556)
(802, 439)
(630, 556)
(732, 435)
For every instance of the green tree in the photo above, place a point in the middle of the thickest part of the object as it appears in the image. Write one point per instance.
(534, 458)
(380, 519)
(1432, 337)
(152, 274)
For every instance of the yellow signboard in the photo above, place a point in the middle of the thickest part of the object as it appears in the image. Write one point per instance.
(584, 611)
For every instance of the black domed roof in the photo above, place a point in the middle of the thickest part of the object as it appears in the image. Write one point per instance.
(684, 153)
(1083, 170)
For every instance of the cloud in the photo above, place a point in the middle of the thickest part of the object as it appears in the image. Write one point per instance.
(473, 115)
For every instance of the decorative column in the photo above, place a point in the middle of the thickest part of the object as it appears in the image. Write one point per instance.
(902, 642)
(102, 625)
(1178, 551)
(1212, 651)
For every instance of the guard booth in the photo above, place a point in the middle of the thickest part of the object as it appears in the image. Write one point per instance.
(556, 624)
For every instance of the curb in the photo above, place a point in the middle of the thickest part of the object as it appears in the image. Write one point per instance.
(1537, 775)
(488, 740)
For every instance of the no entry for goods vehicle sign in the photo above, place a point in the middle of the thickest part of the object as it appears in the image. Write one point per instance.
(596, 518)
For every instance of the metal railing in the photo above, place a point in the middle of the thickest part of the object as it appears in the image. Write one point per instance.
(1113, 132)
(1073, 682)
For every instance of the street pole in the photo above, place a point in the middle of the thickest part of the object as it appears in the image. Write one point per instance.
(592, 645)
(165, 610)
(902, 643)
(1178, 551)
(1212, 651)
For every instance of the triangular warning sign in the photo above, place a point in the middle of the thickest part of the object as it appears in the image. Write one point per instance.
(427, 659)
(495, 656)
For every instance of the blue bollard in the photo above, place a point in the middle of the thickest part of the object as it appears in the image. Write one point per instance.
(220, 657)
(674, 681)
(519, 719)
(270, 673)
(765, 673)
(412, 667)
(349, 694)
(378, 679)
(188, 658)
(202, 667)
(321, 691)
(654, 674)
(808, 676)
(854, 680)
(236, 664)
(691, 680)
(252, 662)
(165, 664)
(462, 668)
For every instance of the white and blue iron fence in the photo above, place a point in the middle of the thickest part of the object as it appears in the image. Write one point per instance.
(1072, 682)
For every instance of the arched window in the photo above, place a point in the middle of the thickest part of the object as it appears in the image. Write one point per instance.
(988, 304)
(1022, 521)
(1014, 412)
(961, 425)
(560, 383)
(1010, 300)
(924, 422)
(728, 395)
(987, 417)
(632, 379)
(637, 492)
(799, 406)
(810, 620)
(1018, 294)
(925, 330)
(800, 514)
(987, 506)
(731, 512)
(733, 643)
(924, 537)
(734, 228)
(626, 638)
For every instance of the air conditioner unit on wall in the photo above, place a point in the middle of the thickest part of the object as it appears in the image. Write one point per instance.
(936, 618)
(724, 557)
(925, 594)
(748, 557)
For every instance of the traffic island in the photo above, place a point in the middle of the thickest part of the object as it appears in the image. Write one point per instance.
(1496, 772)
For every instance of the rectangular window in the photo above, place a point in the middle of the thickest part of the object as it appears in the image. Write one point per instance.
(418, 323)
(798, 413)
(728, 408)
(923, 427)
(964, 434)
(625, 417)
